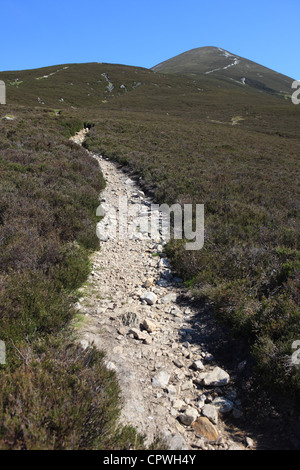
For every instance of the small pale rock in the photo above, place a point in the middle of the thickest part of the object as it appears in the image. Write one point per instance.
(111, 366)
(249, 442)
(161, 379)
(198, 365)
(217, 377)
(148, 340)
(164, 263)
(118, 350)
(171, 389)
(178, 404)
(222, 404)
(187, 386)
(189, 416)
(137, 334)
(148, 283)
(200, 403)
(169, 298)
(84, 344)
(209, 357)
(211, 412)
(129, 181)
(178, 363)
(8, 118)
(122, 331)
(100, 311)
(200, 443)
(149, 325)
(176, 442)
(149, 297)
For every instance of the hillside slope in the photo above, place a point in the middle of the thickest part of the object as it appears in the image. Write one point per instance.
(72, 85)
(221, 64)
(199, 138)
(205, 71)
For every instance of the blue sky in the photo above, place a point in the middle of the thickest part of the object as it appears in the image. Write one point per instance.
(144, 33)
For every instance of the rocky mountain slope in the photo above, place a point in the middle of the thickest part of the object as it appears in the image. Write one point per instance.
(208, 137)
(227, 67)
(93, 85)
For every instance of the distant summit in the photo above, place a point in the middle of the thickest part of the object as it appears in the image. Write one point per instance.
(224, 65)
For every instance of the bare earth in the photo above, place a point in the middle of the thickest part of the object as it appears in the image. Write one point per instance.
(158, 351)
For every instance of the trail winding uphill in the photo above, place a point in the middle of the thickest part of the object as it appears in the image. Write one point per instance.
(235, 62)
(171, 384)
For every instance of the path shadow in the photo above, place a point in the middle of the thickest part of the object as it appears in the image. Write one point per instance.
(268, 419)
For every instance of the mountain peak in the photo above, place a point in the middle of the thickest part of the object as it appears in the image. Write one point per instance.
(222, 64)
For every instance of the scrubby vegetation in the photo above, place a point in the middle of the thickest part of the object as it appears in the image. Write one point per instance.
(54, 395)
(61, 398)
(232, 148)
(247, 176)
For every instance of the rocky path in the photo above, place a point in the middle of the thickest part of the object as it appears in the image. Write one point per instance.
(171, 384)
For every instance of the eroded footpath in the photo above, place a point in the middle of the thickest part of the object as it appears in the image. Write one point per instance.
(171, 384)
